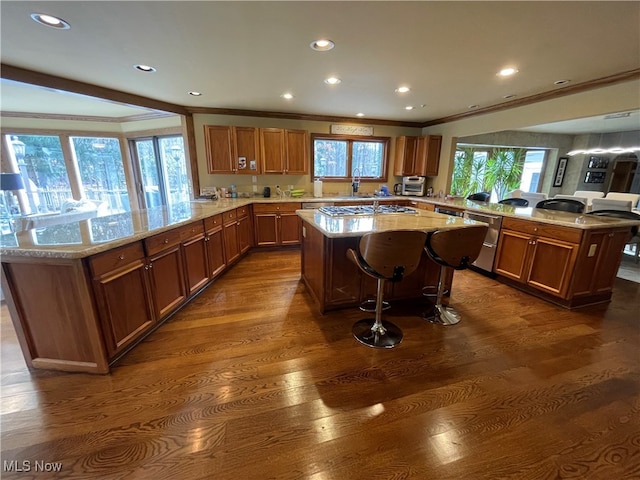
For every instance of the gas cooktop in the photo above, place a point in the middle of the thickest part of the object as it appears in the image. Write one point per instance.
(365, 210)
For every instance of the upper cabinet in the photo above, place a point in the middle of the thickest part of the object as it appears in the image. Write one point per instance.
(417, 156)
(232, 149)
(250, 150)
(284, 151)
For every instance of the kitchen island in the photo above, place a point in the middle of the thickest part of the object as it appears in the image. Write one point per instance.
(334, 282)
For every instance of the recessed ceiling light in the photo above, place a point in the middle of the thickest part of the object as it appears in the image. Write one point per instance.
(511, 95)
(506, 72)
(473, 106)
(359, 114)
(322, 45)
(402, 89)
(332, 81)
(50, 21)
(409, 107)
(144, 68)
(287, 96)
(195, 94)
(561, 82)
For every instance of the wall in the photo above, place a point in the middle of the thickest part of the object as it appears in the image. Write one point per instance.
(611, 99)
(244, 182)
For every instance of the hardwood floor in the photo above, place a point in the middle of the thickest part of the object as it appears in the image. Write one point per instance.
(250, 382)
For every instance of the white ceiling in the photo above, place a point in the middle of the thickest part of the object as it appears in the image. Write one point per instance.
(244, 55)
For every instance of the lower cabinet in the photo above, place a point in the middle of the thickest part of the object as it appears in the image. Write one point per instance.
(277, 224)
(194, 249)
(122, 291)
(166, 270)
(539, 255)
(214, 238)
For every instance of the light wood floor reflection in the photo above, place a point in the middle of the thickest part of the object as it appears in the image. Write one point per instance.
(250, 382)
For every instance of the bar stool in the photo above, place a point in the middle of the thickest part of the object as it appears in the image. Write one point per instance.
(385, 256)
(457, 249)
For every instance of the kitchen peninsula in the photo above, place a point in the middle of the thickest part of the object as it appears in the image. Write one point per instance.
(82, 294)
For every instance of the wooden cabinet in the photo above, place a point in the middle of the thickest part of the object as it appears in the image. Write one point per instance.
(598, 261)
(232, 149)
(123, 296)
(417, 156)
(284, 151)
(277, 224)
(542, 256)
(194, 252)
(237, 233)
(165, 266)
(214, 238)
(245, 229)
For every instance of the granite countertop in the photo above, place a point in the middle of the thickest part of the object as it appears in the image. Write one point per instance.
(357, 225)
(87, 237)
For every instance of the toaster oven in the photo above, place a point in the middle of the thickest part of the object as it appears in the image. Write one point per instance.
(413, 186)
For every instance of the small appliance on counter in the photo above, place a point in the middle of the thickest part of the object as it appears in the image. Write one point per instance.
(317, 188)
(413, 186)
(266, 192)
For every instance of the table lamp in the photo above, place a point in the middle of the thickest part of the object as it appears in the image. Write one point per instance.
(10, 182)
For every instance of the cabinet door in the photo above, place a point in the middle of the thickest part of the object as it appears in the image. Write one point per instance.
(609, 261)
(405, 156)
(265, 225)
(244, 234)
(290, 229)
(297, 152)
(195, 263)
(272, 146)
(215, 252)
(231, 250)
(552, 263)
(512, 255)
(124, 305)
(219, 149)
(247, 147)
(428, 155)
(167, 278)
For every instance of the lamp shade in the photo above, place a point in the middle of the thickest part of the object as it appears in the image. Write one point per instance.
(11, 181)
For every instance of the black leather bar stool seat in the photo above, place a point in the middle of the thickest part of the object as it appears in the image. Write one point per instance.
(562, 204)
(516, 202)
(457, 249)
(480, 196)
(387, 257)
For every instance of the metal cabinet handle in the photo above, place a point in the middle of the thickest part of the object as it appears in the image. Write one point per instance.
(166, 240)
(121, 257)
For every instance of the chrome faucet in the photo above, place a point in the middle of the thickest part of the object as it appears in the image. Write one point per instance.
(355, 181)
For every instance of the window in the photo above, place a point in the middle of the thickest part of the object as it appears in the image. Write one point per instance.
(102, 172)
(342, 157)
(161, 170)
(41, 162)
(498, 170)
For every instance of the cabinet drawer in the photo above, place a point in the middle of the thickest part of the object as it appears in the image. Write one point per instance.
(211, 223)
(159, 242)
(229, 217)
(242, 212)
(276, 207)
(116, 258)
(566, 234)
(192, 230)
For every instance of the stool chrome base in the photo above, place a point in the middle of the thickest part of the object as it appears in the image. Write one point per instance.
(376, 335)
(370, 305)
(443, 315)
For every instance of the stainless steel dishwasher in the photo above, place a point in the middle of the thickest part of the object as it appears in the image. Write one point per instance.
(490, 244)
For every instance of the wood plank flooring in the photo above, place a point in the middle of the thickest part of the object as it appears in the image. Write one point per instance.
(250, 382)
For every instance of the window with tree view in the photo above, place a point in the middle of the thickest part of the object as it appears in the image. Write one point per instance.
(497, 170)
(342, 157)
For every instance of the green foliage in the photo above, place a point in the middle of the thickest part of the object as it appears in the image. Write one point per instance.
(474, 172)
(503, 170)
